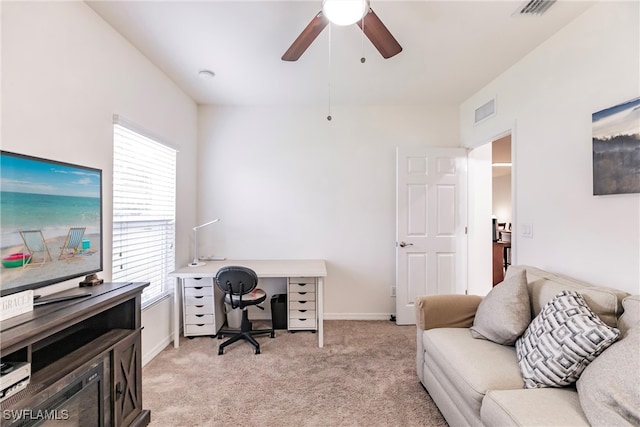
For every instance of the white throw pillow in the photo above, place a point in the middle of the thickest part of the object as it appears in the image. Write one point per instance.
(609, 388)
(504, 314)
(561, 341)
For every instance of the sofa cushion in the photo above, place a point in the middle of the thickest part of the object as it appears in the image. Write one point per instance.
(631, 316)
(609, 387)
(504, 314)
(539, 407)
(544, 286)
(561, 341)
(472, 366)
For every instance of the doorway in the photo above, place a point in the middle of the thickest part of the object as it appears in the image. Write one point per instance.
(501, 204)
(490, 197)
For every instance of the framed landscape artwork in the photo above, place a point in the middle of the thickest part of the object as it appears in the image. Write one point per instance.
(616, 149)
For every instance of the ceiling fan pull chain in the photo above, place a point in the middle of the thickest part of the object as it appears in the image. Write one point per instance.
(329, 115)
(363, 59)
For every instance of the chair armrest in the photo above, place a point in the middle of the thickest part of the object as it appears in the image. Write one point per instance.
(446, 311)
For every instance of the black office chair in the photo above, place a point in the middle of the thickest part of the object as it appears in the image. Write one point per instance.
(239, 286)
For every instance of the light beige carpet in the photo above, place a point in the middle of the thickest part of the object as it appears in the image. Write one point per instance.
(364, 376)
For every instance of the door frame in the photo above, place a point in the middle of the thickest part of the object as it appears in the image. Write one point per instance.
(512, 130)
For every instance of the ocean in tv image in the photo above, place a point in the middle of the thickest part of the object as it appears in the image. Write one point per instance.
(45, 205)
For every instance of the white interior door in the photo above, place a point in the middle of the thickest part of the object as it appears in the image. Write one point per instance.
(430, 225)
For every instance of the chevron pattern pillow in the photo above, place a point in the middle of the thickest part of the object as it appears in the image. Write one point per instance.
(561, 341)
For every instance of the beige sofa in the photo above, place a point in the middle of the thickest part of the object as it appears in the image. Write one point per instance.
(479, 382)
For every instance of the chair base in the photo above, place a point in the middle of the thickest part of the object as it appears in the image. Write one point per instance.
(245, 333)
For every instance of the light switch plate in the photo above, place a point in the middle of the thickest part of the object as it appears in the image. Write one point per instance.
(526, 230)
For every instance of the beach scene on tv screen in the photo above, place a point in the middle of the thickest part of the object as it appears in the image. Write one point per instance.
(50, 221)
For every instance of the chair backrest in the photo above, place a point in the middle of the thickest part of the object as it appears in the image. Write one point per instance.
(236, 280)
(33, 240)
(74, 239)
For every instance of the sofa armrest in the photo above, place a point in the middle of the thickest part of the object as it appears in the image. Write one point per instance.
(446, 311)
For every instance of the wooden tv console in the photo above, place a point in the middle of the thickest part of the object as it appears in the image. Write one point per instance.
(63, 340)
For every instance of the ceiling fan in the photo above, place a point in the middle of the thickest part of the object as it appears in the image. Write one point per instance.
(363, 15)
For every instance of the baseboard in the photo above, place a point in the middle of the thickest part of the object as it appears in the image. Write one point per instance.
(357, 316)
(333, 316)
(149, 355)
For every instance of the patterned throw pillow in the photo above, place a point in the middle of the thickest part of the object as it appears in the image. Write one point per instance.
(561, 341)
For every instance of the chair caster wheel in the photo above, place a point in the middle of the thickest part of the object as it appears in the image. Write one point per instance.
(220, 351)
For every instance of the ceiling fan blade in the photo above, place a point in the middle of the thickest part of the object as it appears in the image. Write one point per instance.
(379, 35)
(305, 38)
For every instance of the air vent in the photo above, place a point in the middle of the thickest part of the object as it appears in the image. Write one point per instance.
(534, 7)
(485, 111)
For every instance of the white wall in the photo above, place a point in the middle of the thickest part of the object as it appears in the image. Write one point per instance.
(287, 183)
(589, 65)
(501, 197)
(65, 72)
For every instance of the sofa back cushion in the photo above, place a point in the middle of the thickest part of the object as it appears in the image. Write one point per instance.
(544, 286)
(631, 316)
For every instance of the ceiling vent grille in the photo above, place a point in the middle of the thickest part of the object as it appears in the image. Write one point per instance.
(485, 111)
(534, 7)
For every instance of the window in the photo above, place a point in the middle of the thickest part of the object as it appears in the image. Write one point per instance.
(144, 200)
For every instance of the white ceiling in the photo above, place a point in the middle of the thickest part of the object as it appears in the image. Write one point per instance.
(451, 49)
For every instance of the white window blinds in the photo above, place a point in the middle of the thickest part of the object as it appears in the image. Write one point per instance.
(144, 194)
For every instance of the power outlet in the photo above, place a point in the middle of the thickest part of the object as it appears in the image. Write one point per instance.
(393, 291)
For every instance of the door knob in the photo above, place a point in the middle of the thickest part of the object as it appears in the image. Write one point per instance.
(403, 244)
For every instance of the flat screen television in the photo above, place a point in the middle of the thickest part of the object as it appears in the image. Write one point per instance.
(50, 222)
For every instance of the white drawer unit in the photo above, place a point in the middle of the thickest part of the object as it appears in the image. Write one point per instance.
(199, 296)
(303, 280)
(302, 304)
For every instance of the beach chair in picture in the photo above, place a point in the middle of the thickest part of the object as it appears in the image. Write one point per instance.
(36, 246)
(72, 243)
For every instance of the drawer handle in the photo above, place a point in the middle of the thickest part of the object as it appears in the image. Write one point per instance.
(197, 287)
(302, 293)
(199, 315)
(199, 297)
(200, 324)
(199, 306)
(302, 320)
(302, 311)
(197, 278)
(302, 302)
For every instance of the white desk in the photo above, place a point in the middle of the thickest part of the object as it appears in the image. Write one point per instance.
(264, 269)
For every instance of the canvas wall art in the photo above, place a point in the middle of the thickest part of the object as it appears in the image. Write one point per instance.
(616, 149)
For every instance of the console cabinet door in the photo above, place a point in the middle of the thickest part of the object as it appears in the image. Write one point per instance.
(127, 380)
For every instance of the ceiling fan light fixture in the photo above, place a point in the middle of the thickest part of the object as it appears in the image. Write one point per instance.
(344, 12)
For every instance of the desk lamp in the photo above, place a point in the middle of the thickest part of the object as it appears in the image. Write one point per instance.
(196, 262)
